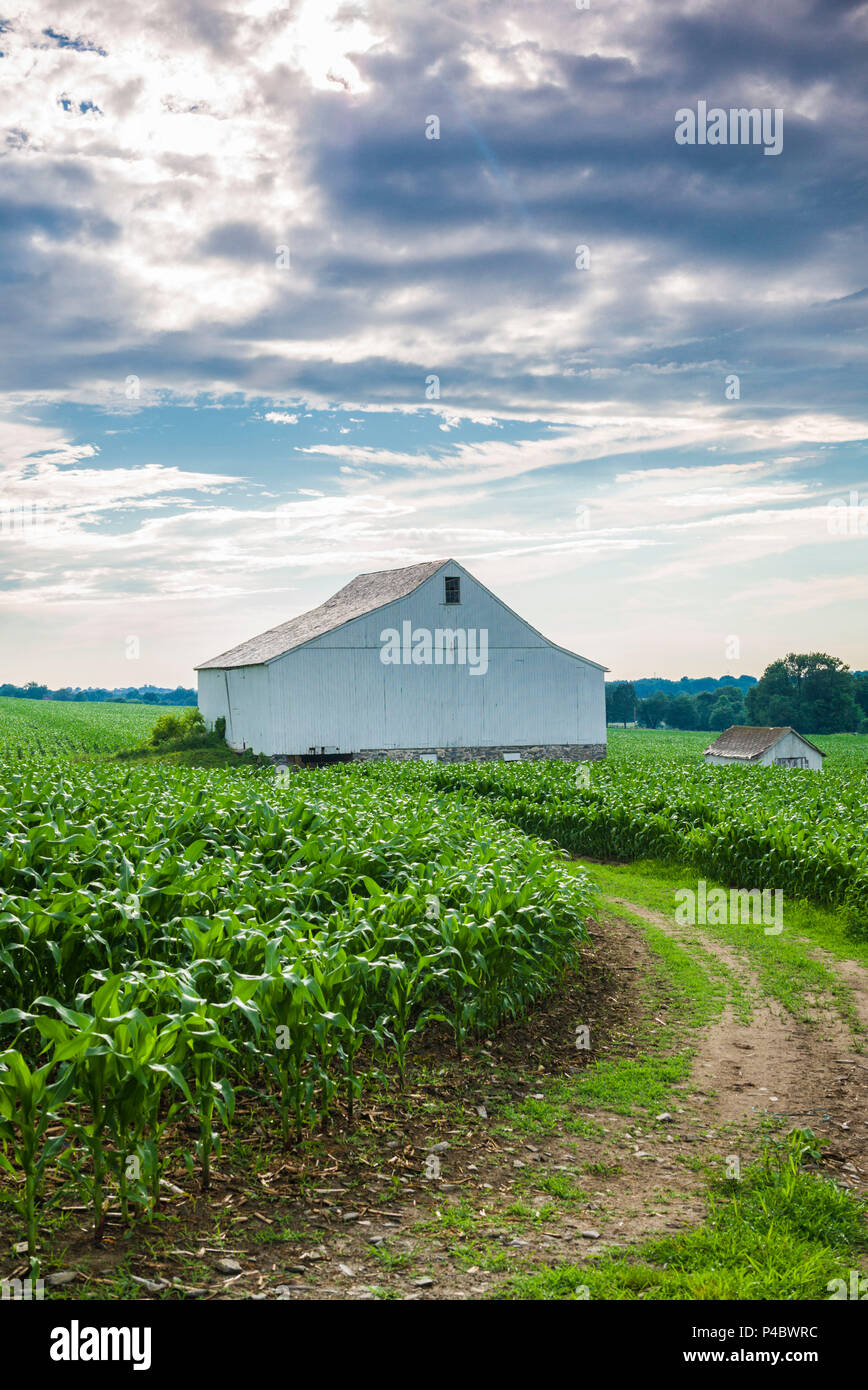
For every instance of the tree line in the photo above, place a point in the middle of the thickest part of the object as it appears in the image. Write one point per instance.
(812, 692)
(124, 695)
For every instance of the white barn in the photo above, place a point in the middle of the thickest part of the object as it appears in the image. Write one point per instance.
(779, 746)
(417, 662)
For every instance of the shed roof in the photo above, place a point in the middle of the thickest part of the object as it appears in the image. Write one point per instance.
(362, 595)
(747, 742)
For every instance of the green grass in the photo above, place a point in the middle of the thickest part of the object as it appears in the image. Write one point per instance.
(485, 1256)
(216, 754)
(559, 1185)
(780, 1233)
(688, 992)
(459, 1218)
(556, 1113)
(279, 1235)
(603, 1169)
(625, 1085)
(392, 1259)
(521, 1212)
(674, 986)
(785, 971)
(694, 984)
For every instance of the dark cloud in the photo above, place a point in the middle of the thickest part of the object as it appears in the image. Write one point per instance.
(21, 219)
(555, 131)
(239, 241)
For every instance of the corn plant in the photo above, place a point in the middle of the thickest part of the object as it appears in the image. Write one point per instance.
(202, 1043)
(31, 1102)
(408, 979)
(101, 1074)
(287, 1001)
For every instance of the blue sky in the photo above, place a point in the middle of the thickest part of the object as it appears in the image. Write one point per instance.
(201, 434)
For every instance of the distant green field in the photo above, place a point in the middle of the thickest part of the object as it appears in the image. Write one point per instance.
(674, 745)
(52, 728)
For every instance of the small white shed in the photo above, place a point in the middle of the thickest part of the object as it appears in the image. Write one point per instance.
(761, 747)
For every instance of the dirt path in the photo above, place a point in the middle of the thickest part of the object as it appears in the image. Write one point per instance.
(778, 1066)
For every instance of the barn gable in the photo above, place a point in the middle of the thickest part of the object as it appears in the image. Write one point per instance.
(373, 596)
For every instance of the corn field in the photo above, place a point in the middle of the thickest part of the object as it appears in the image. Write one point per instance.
(31, 729)
(653, 797)
(169, 937)
(172, 938)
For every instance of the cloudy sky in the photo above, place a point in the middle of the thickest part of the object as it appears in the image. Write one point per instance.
(237, 269)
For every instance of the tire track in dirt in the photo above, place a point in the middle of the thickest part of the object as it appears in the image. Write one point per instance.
(648, 1179)
(779, 1066)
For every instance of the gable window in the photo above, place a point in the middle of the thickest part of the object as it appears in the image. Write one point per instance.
(453, 590)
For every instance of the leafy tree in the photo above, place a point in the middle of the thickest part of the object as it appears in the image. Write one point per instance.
(704, 702)
(646, 686)
(721, 716)
(813, 692)
(860, 690)
(681, 713)
(728, 708)
(652, 711)
(620, 703)
(125, 695)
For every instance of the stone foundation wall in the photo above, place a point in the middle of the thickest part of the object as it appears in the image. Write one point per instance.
(570, 752)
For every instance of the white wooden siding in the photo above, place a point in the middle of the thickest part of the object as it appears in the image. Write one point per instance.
(335, 691)
(789, 746)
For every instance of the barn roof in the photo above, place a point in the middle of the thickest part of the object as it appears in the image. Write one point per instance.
(362, 595)
(748, 742)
